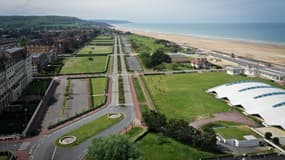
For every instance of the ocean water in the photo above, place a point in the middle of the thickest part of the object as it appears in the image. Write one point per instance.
(273, 33)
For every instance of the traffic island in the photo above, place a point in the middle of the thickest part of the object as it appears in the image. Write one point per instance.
(66, 140)
(89, 130)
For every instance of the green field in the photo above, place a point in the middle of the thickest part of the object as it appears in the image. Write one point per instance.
(139, 91)
(149, 45)
(134, 133)
(92, 49)
(169, 150)
(98, 89)
(219, 124)
(184, 95)
(237, 132)
(103, 37)
(84, 65)
(90, 129)
(102, 42)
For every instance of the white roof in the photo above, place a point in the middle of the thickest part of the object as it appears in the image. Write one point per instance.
(256, 98)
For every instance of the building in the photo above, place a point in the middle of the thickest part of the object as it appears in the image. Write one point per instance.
(15, 75)
(200, 63)
(234, 70)
(255, 98)
(275, 76)
(179, 57)
(39, 62)
(251, 71)
(49, 50)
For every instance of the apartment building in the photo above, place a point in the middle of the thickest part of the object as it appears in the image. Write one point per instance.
(15, 74)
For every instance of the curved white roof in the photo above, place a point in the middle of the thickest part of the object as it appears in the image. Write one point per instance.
(256, 98)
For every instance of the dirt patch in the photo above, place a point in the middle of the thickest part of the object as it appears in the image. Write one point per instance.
(225, 116)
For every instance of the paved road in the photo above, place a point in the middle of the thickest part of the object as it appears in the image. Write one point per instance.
(245, 62)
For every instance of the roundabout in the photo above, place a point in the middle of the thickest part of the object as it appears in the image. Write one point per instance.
(114, 115)
(66, 140)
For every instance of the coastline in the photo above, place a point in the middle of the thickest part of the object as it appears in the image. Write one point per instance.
(272, 53)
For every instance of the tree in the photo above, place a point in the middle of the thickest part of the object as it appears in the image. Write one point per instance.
(180, 130)
(158, 57)
(155, 121)
(90, 55)
(114, 147)
(268, 135)
(276, 140)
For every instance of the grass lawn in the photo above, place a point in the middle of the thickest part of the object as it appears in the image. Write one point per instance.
(98, 87)
(84, 65)
(96, 50)
(4, 158)
(144, 44)
(134, 131)
(220, 124)
(104, 37)
(175, 66)
(91, 129)
(236, 132)
(169, 150)
(184, 95)
(139, 91)
(102, 42)
(37, 87)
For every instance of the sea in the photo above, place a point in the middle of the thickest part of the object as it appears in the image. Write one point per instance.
(271, 33)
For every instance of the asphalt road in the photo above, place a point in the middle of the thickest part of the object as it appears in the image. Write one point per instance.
(245, 62)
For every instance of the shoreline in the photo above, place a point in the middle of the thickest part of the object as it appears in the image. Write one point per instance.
(268, 52)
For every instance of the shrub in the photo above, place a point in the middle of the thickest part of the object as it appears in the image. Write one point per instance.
(276, 140)
(268, 135)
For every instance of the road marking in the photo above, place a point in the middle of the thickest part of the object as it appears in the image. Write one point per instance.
(24, 146)
(53, 153)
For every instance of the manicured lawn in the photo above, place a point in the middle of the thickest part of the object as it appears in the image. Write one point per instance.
(98, 87)
(84, 65)
(104, 37)
(134, 132)
(96, 50)
(169, 150)
(184, 95)
(139, 91)
(91, 129)
(237, 132)
(37, 87)
(220, 124)
(102, 42)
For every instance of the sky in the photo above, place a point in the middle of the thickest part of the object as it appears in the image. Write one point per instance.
(185, 11)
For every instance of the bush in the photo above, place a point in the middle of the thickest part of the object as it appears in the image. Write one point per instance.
(268, 135)
(155, 121)
(115, 147)
(180, 130)
(276, 140)
(159, 57)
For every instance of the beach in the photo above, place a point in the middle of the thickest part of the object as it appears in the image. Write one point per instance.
(272, 53)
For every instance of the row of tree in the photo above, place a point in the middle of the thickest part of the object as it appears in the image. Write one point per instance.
(180, 130)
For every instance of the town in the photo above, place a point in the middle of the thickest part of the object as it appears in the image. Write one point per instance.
(64, 88)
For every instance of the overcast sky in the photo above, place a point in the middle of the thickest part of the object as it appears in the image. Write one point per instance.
(153, 10)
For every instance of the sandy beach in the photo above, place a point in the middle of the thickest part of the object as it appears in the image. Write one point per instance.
(266, 52)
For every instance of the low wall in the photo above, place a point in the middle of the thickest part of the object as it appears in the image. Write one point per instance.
(39, 112)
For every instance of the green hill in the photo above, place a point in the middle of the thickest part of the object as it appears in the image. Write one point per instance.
(57, 22)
